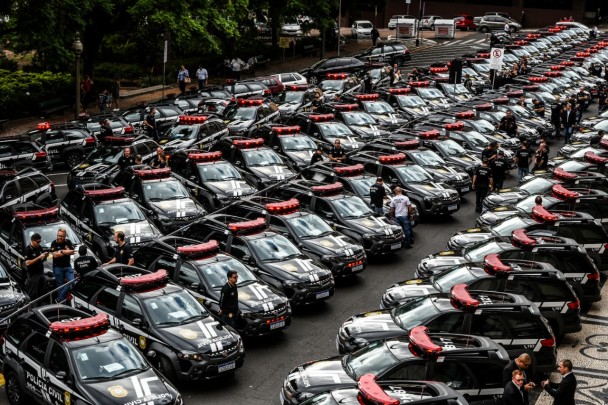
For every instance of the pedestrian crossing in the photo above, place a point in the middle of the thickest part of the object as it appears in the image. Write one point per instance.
(482, 43)
(447, 51)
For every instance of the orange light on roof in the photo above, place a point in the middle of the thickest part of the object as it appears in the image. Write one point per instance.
(455, 126)
(249, 227)
(367, 97)
(37, 214)
(534, 35)
(321, 117)
(583, 54)
(465, 114)
(593, 158)
(295, 129)
(192, 119)
(399, 90)
(494, 266)
(337, 76)
(567, 63)
(250, 102)
(540, 214)
(296, 87)
(461, 298)
(485, 55)
(561, 174)
(346, 107)
(557, 67)
(81, 328)
(531, 87)
(411, 144)
(520, 238)
(431, 134)
(328, 189)
(501, 100)
(521, 42)
(563, 193)
(421, 83)
(105, 192)
(201, 250)
(153, 173)
(248, 143)
(539, 79)
(43, 126)
(371, 392)
(205, 156)
(421, 344)
(392, 159)
(442, 69)
(149, 281)
(552, 74)
(484, 107)
(283, 207)
(349, 170)
(118, 139)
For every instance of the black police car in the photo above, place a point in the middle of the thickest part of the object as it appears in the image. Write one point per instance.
(408, 103)
(120, 127)
(388, 52)
(472, 365)
(335, 85)
(432, 96)
(509, 319)
(165, 116)
(358, 121)
(243, 115)
(214, 182)
(273, 258)
(23, 153)
(539, 282)
(380, 110)
(61, 355)
(11, 298)
(512, 195)
(451, 151)
(261, 165)
(193, 132)
(295, 98)
(348, 213)
(289, 142)
(65, 143)
(326, 130)
(339, 253)
(201, 268)
(316, 72)
(171, 204)
(96, 212)
(184, 341)
(26, 186)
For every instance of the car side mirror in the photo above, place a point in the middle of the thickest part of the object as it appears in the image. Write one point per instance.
(61, 375)
(330, 215)
(248, 259)
(86, 221)
(137, 322)
(238, 163)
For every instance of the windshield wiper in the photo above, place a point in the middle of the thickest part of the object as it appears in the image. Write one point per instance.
(190, 319)
(168, 323)
(131, 371)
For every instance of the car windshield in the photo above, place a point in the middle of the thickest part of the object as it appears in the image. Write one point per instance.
(365, 25)
(476, 138)
(107, 156)
(482, 67)
(455, 89)
(122, 212)
(538, 185)
(429, 93)
(415, 312)
(298, 142)
(573, 166)
(351, 207)
(375, 358)
(316, 65)
(509, 57)
(172, 309)
(309, 226)
(214, 272)
(410, 101)
(48, 233)
(291, 97)
(107, 360)
(506, 227)
(427, 158)
(261, 157)
(335, 129)
(451, 148)
(358, 118)
(361, 186)
(333, 85)
(484, 126)
(378, 107)
(413, 174)
(241, 114)
(274, 248)
(521, 111)
(218, 172)
(183, 132)
(478, 252)
(447, 279)
(164, 190)
(602, 125)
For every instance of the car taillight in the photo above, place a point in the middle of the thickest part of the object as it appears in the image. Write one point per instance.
(406, 51)
(89, 140)
(574, 304)
(128, 130)
(593, 276)
(267, 92)
(40, 155)
(548, 342)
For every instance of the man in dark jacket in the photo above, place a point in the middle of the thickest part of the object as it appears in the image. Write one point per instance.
(568, 121)
(508, 123)
(556, 115)
(229, 299)
(562, 393)
(521, 363)
(514, 390)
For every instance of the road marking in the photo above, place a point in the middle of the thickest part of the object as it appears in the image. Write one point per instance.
(58, 174)
(481, 41)
(467, 41)
(61, 185)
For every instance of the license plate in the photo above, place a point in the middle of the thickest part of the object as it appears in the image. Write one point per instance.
(395, 246)
(452, 207)
(226, 367)
(323, 294)
(358, 268)
(464, 189)
(277, 325)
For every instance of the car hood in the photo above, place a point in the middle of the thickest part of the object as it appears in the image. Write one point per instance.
(181, 208)
(230, 188)
(465, 160)
(372, 224)
(435, 189)
(469, 237)
(319, 376)
(444, 173)
(434, 264)
(275, 172)
(301, 268)
(505, 196)
(369, 131)
(335, 244)
(405, 290)
(136, 232)
(417, 111)
(389, 119)
(301, 157)
(85, 169)
(371, 326)
(10, 295)
(258, 297)
(205, 336)
(497, 214)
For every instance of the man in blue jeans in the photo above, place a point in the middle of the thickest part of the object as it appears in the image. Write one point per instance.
(62, 249)
(401, 211)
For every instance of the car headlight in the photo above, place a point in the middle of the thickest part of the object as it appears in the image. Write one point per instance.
(368, 236)
(327, 258)
(293, 284)
(249, 315)
(164, 218)
(186, 355)
(431, 199)
(241, 347)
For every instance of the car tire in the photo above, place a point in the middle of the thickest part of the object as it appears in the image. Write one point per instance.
(14, 390)
(419, 209)
(485, 30)
(164, 366)
(432, 27)
(514, 29)
(72, 159)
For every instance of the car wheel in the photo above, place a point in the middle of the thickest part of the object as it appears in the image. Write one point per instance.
(72, 159)
(433, 27)
(164, 366)
(484, 30)
(514, 29)
(14, 390)
(313, 80)
(419, 209)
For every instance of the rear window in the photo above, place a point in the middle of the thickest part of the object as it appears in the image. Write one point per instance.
(524, 327)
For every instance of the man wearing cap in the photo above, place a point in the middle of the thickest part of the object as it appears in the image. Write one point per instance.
(482, 184)
(337, 154)
(376, 196)
(317, 156)
(499, 169)
(34, 261)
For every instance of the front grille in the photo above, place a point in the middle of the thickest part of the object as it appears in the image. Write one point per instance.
(321, 283)
(277, 311)
(223, 353)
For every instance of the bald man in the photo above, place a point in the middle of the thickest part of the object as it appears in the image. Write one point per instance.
(401, 210)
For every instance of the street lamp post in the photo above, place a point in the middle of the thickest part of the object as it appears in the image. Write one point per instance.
(339, 17)
(77, 48)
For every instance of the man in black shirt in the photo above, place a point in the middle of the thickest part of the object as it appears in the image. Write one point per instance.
(489, 152)
(522, 160)
(482, 184)
(122, 253)
(34, 260)
(229, 299)
(539, 107)
(127, 159)
(316, 103)
(508, 124)
(150, 124)
(317, 156)
(105, 130)
(556, 115)
(336, 154)
(84, 263)
(541, 158)
(62, 249)
(568, 120)
(499, 170)
(376, 196)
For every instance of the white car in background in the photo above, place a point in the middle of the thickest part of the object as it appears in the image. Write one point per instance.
(428, 22)
(291, 78)
(362, 29)
(392, 23)
(292, 29)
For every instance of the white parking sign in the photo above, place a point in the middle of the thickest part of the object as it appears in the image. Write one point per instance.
(496, 56)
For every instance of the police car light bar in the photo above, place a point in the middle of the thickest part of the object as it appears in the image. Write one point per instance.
(205, 156)
(321, 117)
(602, 43)
(250, 102)
(370, 391)
(248, 226)
(593, 158)
(552, 74)
(37, 214)
(521, 239)
(400, 90)
(530, 87)
(248, 143)
(567, 63)
(337, 76)
(146, 281)
(128, 130)
(521, 42)
(441, 79)
(7, 173)
(484, 107)
(501, 100)
(539, 79)
(432, 134)
(563, 193)
(286, 130)
(583, 54)
(561, 174)
(105, 192)
(494, 266)
(485, 55)
(367, 97)
(515, 93)
(283, 207)
(557, 67)
(296, 87)
(191, 119)
(349, 170)
(346, 107)
(421, 344)
(422, 83)
(554, 30)
(153, 173)
(329, 189)
(82, 328)
(411, 144)
(533, 35)
(461, 297)
(392, 159)
(118, 139)
(443, 69)
(200, 250)
(455, 126)
(465, 114)
(540, 214)
(43, 126)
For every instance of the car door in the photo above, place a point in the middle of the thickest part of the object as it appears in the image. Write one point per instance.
(34, 350)
(10, 193)
(58, 374)
(6, 155)
(28, 189)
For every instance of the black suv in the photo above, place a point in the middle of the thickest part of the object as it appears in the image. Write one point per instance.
(202, 268)
(213, 181)
(193, 132)
(326, 130)
(65, 143)
(509, 319)
(248, 88)
(408, 103)
(359, 121)
(273, 258)
(317, 72)
(171, 204)
(472, 365)
(120, 127)
(348, 213)
(244, 115)
(23, 153)
(26, 185)
(386, 52)
(76, 358)
(294, 146)
(96, 212)
(450, 150)
(379, 109)
(11, 298)
(539, 282)
(189, 343)
(166, 115)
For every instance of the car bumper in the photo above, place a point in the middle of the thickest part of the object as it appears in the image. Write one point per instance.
(197, 371)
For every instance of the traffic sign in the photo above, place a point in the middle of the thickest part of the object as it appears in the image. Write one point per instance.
(496, 56)
(284, 42)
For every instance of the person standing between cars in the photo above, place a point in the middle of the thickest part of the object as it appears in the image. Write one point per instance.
(582, 99)
(601, 99)
(105, 130)
(402, 211)
(556, 115)
(508, 123)
(507, 29)
(541, 158)
(123, 253)
(514, 390)
(86, 88)
(377, 193)
(202, 75)
(568, 120)
(62, 249)
(482, 184)
(229, 299)
(236, 65)
(183, 77)
(102, 101)
(337, 154)
(375, 35)
(521, 363)
(34, 261)
(317, 156)
(395, 75)
(316, 103)
(538, 107)
(522, 160)
(490, 152)
(562, 393)
(367, 83)
(499, 169)
(150, 124)
(127, 159)
(160, 160)
(523, 19)
(84, 263)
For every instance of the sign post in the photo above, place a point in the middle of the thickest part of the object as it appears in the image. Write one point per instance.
(496, 57)
(284, 43)
(164, 64)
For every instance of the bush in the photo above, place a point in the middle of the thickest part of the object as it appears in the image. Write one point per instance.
(20, 92)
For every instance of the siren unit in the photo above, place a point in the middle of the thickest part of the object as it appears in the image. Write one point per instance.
(248, 143)
(37, 215)
(248, 227)
(521, 239)
(494, 266)
(593, 158)
(337, 76)
(148, 174)
(144, 282)
(346, 107)
(321, 117)
(561, 174)
(192, 119)
(540, 214)
(108, 193)
(392, 159)
(483, 107)
(349, 171)
(84, 328)
(411, 144)
(563, 193)
(454, 126)
(461, 299)
(399, 90)
(296, 87)
(432, 134)
(370, 391)
(199, 251)
(367, 97)
(204, 157)
(327, 189)
(283, 207)
(284, 130)
(421, 344)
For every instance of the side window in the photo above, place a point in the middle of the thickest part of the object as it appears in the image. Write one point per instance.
(323, 208)
(130, 310)
(278, 224)
(188, 275)
(591, 233)
(108, 299)
(36, 346)
(489, 325)
(554, 291)
(17, 237)
(5, 151)
(85, 291)
(18, 332)
(454, 375)
(486, 284)
(525, 288)
(145, 258)
(5, 230)
(409, 372)
(239, 249)
(487, 374)
(449, 323)
(54, 137)
(524, 327)
(58, 360)
(40, 180)
(27, 185)
(166, 263)
(10, 190)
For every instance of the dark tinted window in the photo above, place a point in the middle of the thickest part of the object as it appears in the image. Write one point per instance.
(108, 299)
(18, 331)
(35, 348)
(450, 322)
(583, 233)
(489, 325)
(188, 275)
(454, 375)
(5, 150)
(524, 327)
(27, 185)
(25, 147)
(86, 290)
(58, 360)
(409, 372)
(131, 309)
(40, 180)
(487, 374)
(10, 190)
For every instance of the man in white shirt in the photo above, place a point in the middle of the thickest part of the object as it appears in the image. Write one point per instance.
(401, 210)
(202, 76)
